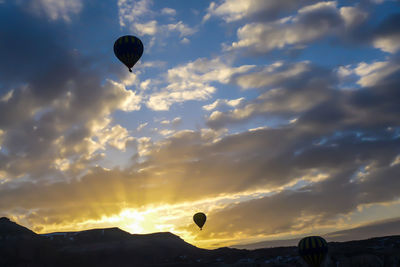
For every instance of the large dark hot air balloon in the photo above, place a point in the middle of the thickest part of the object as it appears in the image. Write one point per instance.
(200, 219)
(128, 49)
(313, 250)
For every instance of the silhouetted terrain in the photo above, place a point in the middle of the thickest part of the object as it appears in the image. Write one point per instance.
(20, 246)
(386, 227)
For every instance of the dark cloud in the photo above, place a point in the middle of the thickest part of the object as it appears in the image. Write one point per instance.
(55, 97)
(285, 92)
(311, 94)
(18, 108)
(387, 35)
(389, 26)
(30, 47)
(189, 167)
(368, 108)
(348, 136)
(287, 211)
(375, 229)
(313, 206)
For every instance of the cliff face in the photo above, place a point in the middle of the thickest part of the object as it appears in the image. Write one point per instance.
(20, 246)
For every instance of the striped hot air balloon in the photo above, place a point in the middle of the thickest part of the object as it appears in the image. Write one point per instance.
(128, 49)
(313, 250)
(200, 219)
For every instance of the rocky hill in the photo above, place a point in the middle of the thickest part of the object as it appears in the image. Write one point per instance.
(20, 246)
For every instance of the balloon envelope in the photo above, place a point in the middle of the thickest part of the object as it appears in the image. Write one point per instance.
(313, 250)
(128, 49)
(200, 219)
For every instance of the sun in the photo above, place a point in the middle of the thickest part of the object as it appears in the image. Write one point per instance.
(134, 222)
(143, 221)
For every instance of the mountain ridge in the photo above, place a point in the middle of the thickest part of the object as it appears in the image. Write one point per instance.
(115, 247)
(7, 227)
(386, 227)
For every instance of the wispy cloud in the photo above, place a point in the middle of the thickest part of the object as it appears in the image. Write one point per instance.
(223, 102)
(168, 11)
(233, 10)
(193, 82)
(56, 9)
(139, 17)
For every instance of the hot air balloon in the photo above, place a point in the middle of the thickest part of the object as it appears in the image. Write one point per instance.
(313, 250)
(200, 219)
(128, 49)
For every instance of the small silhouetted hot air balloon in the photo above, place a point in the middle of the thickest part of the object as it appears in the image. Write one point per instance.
(200, 219)
(313, 250)
(128, 49)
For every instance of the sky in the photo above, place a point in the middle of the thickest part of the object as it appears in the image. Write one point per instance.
(278, 119)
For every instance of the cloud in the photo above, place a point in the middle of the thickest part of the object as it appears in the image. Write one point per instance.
(168, 11)
(309, 24)
(50, 130)
(354, 109)
(378, 228)
(152, 28)
(56, 9)
(223, 102)
(64, 128)
(1, 137)
(148, 28)
(130, 11)
(388, 44)
(191, 91)
(207, 164)
(166, 132)
(387, 35)
(115, 136)
(129, 100)
(185, 41)
(43, 39)
(176, 121)
(285, 92)
(141, 126)
(298, 211)
(375, 229)
(193, 82)
(233, 10)
(375, 73)
(139, 17)
(353, 16)
(272, 75)
(172, 158)
(7, 96)
(180, 27)
(368, 74)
